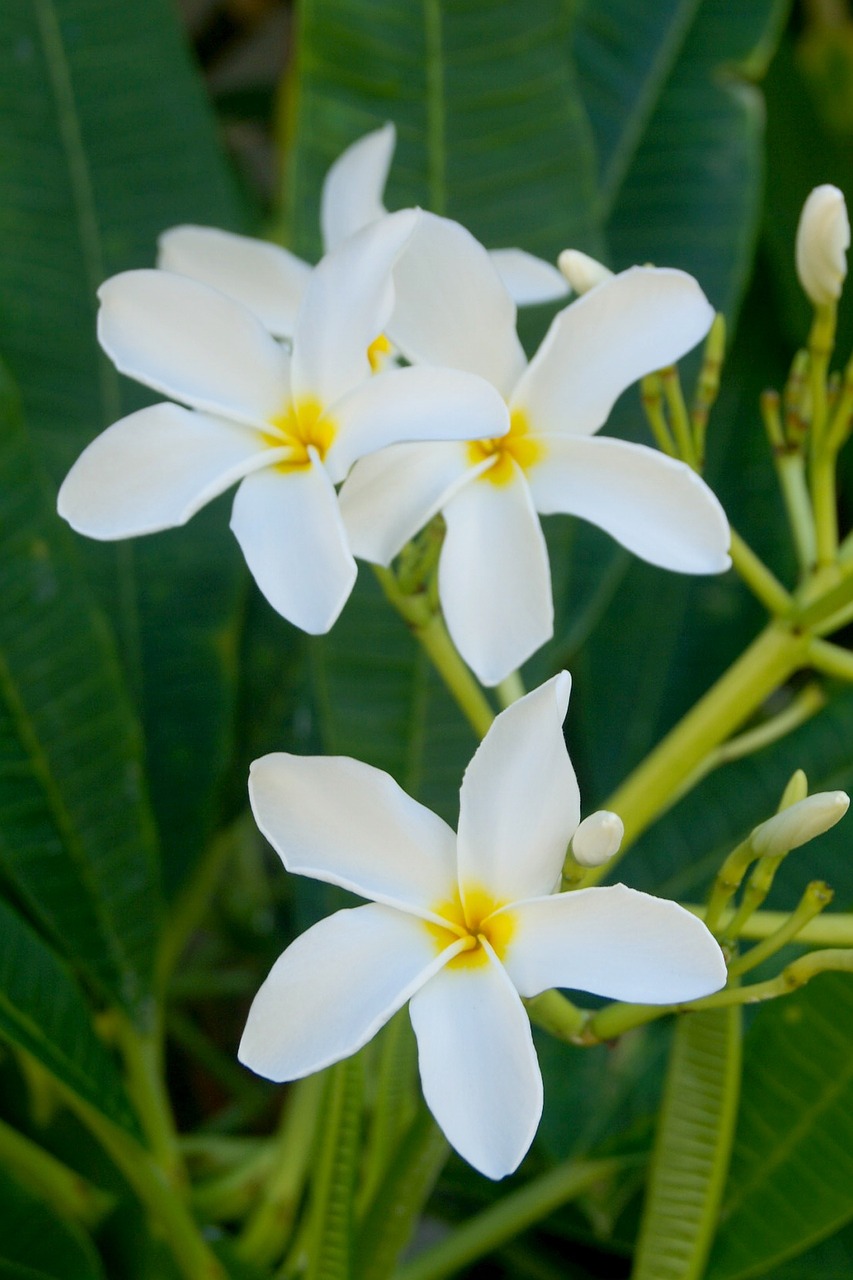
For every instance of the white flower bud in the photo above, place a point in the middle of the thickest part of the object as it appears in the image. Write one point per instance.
(597, 838)
(582, 272)
(799, 823)
(823, 238)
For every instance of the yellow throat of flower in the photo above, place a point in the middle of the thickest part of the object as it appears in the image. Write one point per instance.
(517, 446)
(300, 427)
(378, 352)
(474, 922)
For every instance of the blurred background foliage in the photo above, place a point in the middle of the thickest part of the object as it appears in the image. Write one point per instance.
(137, 681)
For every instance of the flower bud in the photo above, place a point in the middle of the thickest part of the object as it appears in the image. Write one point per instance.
(823, 238)
(582, 272)
(799, 823)
(597, 838)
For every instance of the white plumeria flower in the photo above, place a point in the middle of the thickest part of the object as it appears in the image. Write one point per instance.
(462, 926)
(494, 577)
(270, 280)
(288, 427)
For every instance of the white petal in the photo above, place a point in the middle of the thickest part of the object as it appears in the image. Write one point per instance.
(267, 279)
(290, 530)
(155, 469)
(452, 308)
(519, 804)
(354, 186)
(413, 404)
(390, 495)
(333, 989)
(478, 1066)
(640, 320)
(528, 279)
(345, 308)
(343, 821)
(655, 506)
(494, 579)
(191, 342)
(613, 942)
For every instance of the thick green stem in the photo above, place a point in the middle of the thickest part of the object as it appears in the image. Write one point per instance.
(330, 1238)
(763, 584)
(494, 1226)
(168, 1212)
(510, 689)
(768, 662)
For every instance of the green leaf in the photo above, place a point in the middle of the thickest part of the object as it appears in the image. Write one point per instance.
(105, 140)
(43, 1012)
(679, 125)
(791, 1179)
(36, 1245)
(491, 130)
(77, 842)
(692, 1147)
(483, 140)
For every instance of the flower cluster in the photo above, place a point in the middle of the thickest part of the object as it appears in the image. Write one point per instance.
(351, 403)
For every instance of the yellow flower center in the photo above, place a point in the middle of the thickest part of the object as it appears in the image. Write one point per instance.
(475, 921)
(516, 446)
(300, 427)
(378, 352)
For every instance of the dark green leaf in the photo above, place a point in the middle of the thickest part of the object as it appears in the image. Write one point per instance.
(43, 1012)
(791, 1179)
(104, 142)
(36, 1245)
(491, 130)
(76, 838)
(680, 127)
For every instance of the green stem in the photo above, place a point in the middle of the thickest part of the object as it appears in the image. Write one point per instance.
(768, 662)
(267, 1230)
(167, 1210)
(679, 417)
(512, 1214)
(763, 584)
(510, 689)
(616, 1019)
(806, 704)
(651, 392)
(429, 630)
(816, 897)
(554, 1013)
(831, 659)
(70, 1194)
(834, 930)
(790, 468)
(143, 1060)
(825, 508)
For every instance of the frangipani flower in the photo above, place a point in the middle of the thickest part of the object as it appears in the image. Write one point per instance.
(288, 427)
(494, 577)
(461, 926)
(270, 280)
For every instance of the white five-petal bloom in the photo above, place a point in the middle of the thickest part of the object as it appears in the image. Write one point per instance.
(270, 280)
(286, 425)
(461, 926)
(494, 576)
